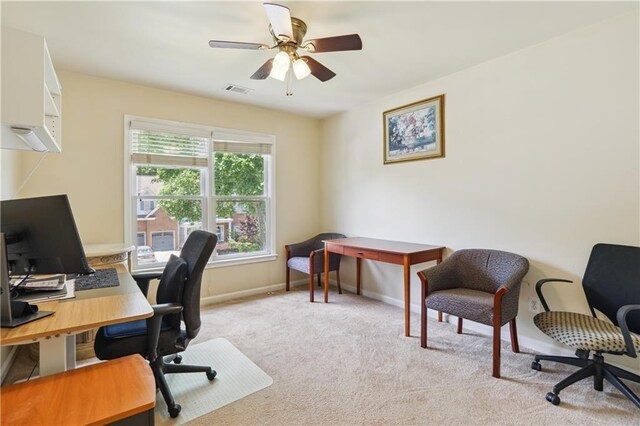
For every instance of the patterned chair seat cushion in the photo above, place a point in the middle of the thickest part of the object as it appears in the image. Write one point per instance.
(584, 332)
(299, 264)
(474, 305)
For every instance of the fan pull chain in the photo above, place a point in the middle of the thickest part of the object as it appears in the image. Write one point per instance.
(289, 84)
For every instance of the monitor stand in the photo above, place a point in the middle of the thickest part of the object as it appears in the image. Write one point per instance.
(14, 313)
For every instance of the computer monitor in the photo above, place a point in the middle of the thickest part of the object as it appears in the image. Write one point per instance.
(41, 236)
(14, 313)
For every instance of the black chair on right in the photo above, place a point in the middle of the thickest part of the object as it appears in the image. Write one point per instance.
(612, 286)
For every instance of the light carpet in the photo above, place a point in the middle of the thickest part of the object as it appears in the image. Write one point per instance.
(237, 377)
(349, 363)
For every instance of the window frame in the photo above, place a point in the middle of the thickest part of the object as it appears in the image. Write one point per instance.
(208, 196)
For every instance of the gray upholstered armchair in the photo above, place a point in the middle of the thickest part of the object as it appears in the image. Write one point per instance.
(308, 257)
(479, 285)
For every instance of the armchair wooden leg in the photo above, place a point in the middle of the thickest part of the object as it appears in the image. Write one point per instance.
(459, 325)
(496, 350)
(287, 279)
(423, 311)
(514, 336)
(338, 281)
(311, 290)
(439, 316)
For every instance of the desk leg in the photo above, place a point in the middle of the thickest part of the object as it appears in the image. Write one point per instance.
(326, 275)
(53, 355)
(71, 351)
(358, 274)
(407, 296)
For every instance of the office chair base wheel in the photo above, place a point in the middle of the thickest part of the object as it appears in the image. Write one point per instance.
(553, 398)
(212, 375)
(535, 365)
(177, 359)
(175, 410)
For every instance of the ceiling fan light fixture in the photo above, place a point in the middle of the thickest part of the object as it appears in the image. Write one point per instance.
(279, 73)
(282, 61)
(301, 69)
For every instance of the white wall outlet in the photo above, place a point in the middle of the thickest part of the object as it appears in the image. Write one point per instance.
(534, 305)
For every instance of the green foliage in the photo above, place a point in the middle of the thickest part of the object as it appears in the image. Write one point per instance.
(238, 174)
(235, 174)
(240, 247)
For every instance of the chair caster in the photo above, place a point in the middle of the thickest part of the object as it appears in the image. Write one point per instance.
(177, 359)
(535, 365)
(553, 398)
(212, 375)
(175, 410)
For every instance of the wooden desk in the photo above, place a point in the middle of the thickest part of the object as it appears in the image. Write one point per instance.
(122, 389)
(397, 252)
(89, 309)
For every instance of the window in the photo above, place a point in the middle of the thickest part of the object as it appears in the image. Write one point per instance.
(182, 177)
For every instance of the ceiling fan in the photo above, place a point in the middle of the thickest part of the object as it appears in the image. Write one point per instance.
(288, 33)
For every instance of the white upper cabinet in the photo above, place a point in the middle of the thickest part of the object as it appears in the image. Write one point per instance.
(31, 94)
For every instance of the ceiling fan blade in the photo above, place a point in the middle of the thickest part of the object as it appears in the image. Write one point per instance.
(264, 71)
(334, 44)
(280, 19)
(236, 45)
(318, 70)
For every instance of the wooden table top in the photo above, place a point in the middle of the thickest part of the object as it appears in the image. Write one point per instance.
(399, 247)
(96, 394)
(89, 309)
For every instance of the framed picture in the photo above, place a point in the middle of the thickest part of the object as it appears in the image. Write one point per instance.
(414, 131)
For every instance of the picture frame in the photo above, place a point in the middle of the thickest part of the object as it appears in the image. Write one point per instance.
(414, 131)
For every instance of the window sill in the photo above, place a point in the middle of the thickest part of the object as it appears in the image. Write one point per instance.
(221, 263)
(241, 261)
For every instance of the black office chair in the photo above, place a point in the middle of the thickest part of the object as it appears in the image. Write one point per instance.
(612, 286)
(160, 336)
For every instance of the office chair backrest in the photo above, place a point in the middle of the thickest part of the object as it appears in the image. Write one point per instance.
(196, 252)
(171, 287)
(612, 280)
(487, 270)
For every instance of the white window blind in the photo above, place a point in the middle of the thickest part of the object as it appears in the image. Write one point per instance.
(156, 145)
(226, 140)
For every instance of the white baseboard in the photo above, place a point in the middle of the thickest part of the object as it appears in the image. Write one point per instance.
(7, 362)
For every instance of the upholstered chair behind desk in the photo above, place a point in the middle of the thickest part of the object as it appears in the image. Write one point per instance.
(479, 285)
(308, 257)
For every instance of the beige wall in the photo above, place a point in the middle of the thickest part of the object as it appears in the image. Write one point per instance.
(90, 167)
(542, 159)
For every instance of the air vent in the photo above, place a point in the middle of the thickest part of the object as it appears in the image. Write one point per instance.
(237, 89)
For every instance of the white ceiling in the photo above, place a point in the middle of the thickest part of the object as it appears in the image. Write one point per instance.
(165, 44)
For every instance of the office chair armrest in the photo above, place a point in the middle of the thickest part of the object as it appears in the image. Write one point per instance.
(539, 285)
(622, 323)
(154, 324)
(143, 279)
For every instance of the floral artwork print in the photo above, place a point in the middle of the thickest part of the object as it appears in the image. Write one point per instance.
(414, 131)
